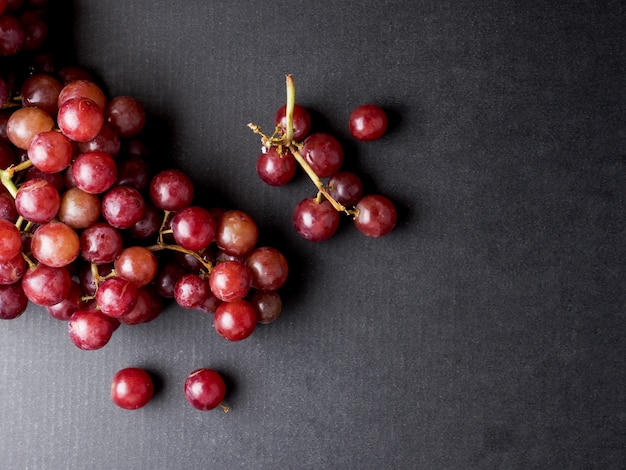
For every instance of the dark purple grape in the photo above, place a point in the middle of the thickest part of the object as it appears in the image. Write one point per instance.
(13, 301)
(346, 188)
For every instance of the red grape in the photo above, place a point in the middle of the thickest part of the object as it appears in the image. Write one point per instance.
(80, 119)
(10, 241)
(90, 329)
(171, 190)
(235, 320)
(13, 301)
(230, 280)
(12, 270)
(126, 115)
(25, 123)
(276, 169)
(268, 267)
(123, 207)
(116, 296)
(190, 291)
(42, 91)
(94, 172)
(205, 389)
(323, 153)
(368, 122)
(346, 188)
(268, 306)
(193, 228)
(131, 388)
(55, 244)
(37, 201)
(237, 233)
(50, 151)
(315, 221)
(46, 285)
(376, 216)
(136, 264)
(100, 243)
(82, 88)
(79, 209)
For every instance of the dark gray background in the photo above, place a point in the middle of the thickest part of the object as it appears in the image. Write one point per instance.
(487, 331)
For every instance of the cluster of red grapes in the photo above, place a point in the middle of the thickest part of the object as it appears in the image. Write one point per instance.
(321, 156)
(91, 232)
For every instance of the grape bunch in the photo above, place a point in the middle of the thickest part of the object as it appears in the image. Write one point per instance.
(321, 156)
(90, 229)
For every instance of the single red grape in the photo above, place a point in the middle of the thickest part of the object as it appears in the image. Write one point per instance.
(193, 228)
(10, 241)
(80, 119)
(116, 296)
(323, 153)
(315, 221)
(268, 267)
(237, 233)
(368, 122)
(205, 389)
(13, 301)
(90, 329)
(94, 172)
(190, 291)
(45, 285)
(79, 209)
(123, 207)
(50, 151)
(100, 243)
(37, 201)
(25, 123)
(12, 270)
(131, 388)
(230, 280)
(346, 188)
(136, 264)
(42, 91)
(235, 320)
(82, 88)
(276, 169)
(268, 306)
(55, 244)
(126, 115)
(376, 216)
(171, 190)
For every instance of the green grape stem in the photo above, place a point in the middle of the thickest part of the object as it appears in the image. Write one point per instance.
(286, 141)
(6, 176)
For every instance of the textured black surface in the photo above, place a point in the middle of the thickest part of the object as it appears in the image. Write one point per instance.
(487, 331)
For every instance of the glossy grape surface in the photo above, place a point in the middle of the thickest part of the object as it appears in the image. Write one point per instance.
(204, 389)
(131, 388)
